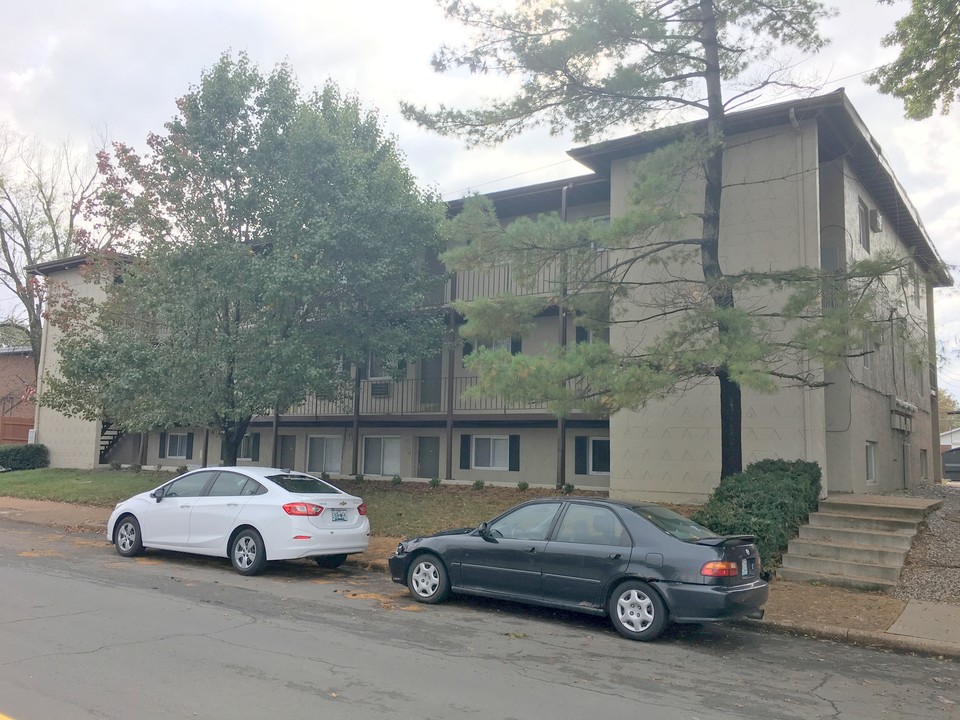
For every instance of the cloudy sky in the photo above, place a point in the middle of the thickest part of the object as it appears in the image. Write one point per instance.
(70, 70)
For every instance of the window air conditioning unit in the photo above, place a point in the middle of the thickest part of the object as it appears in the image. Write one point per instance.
(380, 389)
(876, 221)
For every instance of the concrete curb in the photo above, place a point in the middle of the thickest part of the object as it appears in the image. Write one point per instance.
(868, 638)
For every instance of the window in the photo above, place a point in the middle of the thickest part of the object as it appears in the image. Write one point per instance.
(871, 463)
(178, 446)
(599, 456)
(230, 484)
(532, 522)
(863, 220)
(381, 455)
(514, 345)
(380, 368)
(923, 465)
(249, 447)
(491, 453)
(189, 485)
(324, 454)
(591, 525)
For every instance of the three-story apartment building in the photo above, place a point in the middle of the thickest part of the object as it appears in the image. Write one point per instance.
(806, 186)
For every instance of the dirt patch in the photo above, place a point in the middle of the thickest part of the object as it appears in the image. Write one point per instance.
(824, 605)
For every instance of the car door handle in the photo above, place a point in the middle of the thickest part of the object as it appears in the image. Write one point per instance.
(530, 549)
(184, 506)
(613, 556)
(232, 504)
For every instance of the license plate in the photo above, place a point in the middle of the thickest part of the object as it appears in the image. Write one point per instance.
(746, 566)
(339, 516)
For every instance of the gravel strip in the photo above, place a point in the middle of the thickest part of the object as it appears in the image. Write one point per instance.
(932, 569)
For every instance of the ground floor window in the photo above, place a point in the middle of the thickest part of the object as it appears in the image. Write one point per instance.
(381, 455)
(324, 454)
(599, 456)
(491, 452)
(871, 462)
(249, 447)
(178, 446)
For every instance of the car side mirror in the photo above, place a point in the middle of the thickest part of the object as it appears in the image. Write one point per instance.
(157, 494)
(483, 530)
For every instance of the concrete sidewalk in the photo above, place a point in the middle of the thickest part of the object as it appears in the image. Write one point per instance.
(922, 627)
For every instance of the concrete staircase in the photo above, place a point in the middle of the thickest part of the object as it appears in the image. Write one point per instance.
(856, 541)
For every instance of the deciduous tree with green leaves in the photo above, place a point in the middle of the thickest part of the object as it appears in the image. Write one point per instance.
(272, 238)
(595, 66)
(927, 71)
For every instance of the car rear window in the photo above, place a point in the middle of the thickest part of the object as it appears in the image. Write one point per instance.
(303, 484)
(672, 523)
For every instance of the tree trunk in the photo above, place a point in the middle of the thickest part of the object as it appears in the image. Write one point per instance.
(731, 440)
(231, 439)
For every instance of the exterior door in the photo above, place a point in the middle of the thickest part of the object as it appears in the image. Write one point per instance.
(428, 457)
(288, 452)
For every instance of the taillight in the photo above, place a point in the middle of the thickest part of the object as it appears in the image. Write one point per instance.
(299, 508)
(719, 568)
(362, 508)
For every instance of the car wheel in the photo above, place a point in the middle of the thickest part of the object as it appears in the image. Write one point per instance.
(247, 552)
(127, 537)
(428, 580)
(330, 562)
(637, 611)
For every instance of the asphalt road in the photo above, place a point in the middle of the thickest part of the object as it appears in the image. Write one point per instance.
(87, 634)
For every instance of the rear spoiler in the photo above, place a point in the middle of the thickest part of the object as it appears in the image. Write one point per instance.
(728, 540)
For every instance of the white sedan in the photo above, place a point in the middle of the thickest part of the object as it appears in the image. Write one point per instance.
(249, 514)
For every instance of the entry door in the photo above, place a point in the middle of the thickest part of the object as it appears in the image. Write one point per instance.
(431, 371)
(288, 451)
(428, 457)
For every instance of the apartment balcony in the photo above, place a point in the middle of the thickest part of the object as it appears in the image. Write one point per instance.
(474, 284)
(412, 397)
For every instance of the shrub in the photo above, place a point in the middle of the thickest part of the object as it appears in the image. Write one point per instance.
(135, 468)
(24, 457)
(396, 480)
(358, 477)
(478, 484)
(158, 467)
(115, 465)
(568, 488)
(523, 486)
(325, 476)
(769, 500)
(181, 469)
(434, 482)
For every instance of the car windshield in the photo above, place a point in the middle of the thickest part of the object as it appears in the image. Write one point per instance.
(673, 523)
(303, 484)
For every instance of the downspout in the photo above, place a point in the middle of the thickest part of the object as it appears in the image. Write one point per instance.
(562, 320)
(451, 379)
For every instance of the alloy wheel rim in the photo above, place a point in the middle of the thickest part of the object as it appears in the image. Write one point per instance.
(635, 610)
(126, 536)
(426, 579)
(246, 552)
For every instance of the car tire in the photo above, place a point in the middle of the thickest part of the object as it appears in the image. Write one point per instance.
(127, 537)
(330, 562)
(247, 552)
(428, 580)
(637, 611)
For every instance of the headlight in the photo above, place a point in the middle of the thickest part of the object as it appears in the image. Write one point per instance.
(400, 549)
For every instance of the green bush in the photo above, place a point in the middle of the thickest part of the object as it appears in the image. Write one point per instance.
(478, 484)
(181, 469)
(523, 486)
(434, 482)
(568, 488)
(24, 457)
(135, 467)
(396, 480)
(115, 466)
(770, 500)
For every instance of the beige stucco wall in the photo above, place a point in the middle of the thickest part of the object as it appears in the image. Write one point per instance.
(669, 450)
(72, 442)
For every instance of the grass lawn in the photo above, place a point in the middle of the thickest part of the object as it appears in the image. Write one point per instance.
(411, 508)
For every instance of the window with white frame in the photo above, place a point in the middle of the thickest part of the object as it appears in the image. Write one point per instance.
(599, 456)
(863, 221)
(871, 462)
(491, 452)
(381, 455)
(177, 445)
(324, 453)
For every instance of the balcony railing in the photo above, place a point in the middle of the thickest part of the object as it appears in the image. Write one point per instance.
(473, 284)
(410, 397)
